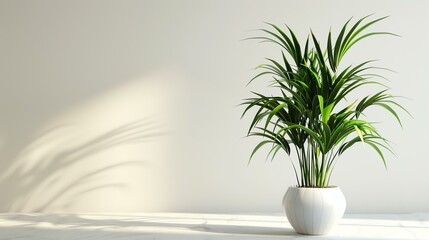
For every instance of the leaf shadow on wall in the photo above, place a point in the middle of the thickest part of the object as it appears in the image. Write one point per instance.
(36, 188)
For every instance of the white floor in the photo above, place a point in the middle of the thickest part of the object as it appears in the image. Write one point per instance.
(202, 226)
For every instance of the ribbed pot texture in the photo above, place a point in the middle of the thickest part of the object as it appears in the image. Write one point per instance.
(314, 211)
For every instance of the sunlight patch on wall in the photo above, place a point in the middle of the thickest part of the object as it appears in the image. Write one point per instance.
(105, 153)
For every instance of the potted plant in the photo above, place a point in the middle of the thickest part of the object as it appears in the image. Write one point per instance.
(311, 117)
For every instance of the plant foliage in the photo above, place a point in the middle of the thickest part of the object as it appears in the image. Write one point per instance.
(310, 115)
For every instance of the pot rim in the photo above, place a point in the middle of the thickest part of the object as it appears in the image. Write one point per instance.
(327, 187)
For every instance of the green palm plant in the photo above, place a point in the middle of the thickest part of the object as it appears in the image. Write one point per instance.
(311, 114)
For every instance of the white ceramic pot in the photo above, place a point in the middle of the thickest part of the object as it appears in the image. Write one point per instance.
(314, 211)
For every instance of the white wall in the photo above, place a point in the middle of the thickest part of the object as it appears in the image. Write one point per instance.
(129, 106)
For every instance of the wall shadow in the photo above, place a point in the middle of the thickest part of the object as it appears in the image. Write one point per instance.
(21, 184)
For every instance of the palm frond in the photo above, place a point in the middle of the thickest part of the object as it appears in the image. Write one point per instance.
(306, 113)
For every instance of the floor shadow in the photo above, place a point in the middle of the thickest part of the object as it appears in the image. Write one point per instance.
(247, 230)
(164, 226)
(196, 225)
(390, 216)
(381, 220)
